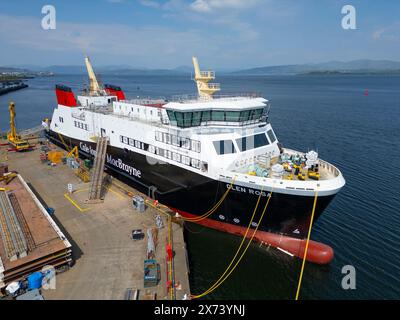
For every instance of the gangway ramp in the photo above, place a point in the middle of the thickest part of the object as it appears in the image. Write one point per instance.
(97, 176)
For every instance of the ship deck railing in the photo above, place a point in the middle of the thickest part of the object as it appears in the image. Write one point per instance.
(132, 117)
(323, 165)
(190, 98)
(326, 170)
(164, 121)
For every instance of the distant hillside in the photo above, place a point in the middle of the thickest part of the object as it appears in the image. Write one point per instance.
(358, 66)
(355, 72)
(114, 70)
(333, 67)
(11, 69)
(140, 71)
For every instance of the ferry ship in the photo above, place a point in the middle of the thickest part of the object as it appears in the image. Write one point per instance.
(189, 152)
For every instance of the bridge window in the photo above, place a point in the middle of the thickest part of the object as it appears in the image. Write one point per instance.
(248, 115)
(252, 142)
(271, 136)
(232, 116)
(179, 119)
(187, 116)
(196, 120)
(217, 115)
(256, 114)
(171, 115)
(206, 116)
(185, 119)
(244, 115)
(224, 147)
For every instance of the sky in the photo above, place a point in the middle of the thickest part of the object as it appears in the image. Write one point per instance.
(221, 33)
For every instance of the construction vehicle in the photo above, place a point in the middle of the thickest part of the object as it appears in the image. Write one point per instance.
(13, 138)
(7, 178)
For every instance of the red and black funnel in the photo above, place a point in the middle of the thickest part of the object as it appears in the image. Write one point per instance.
(65, 96)
(114, 91)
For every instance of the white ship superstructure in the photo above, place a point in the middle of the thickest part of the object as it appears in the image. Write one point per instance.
(186, 151)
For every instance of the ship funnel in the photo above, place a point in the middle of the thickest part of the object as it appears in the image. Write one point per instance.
(202, 79)
(114, 91)
(65, 96)
(94, 84)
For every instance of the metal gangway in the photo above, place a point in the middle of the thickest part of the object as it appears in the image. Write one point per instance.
(96, 179)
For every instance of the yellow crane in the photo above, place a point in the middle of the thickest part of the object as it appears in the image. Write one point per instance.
(94, 86)
(13, 138)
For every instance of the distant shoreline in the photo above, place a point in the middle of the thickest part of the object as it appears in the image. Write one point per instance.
(9, 86)
(355, 72)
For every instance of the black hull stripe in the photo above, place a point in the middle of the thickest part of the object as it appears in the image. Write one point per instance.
(196, 194)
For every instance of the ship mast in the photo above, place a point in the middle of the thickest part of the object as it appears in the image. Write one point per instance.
(94, 88)
(202, 78)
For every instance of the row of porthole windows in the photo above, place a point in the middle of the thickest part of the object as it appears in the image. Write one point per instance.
(236, 220)
(178, 141)
(195, 163)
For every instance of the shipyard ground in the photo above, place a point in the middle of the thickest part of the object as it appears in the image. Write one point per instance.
(107, 260)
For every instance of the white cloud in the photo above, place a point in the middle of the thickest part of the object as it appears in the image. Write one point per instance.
(391, 33)
(211, 5)
(150, 3)
(141, 46)
(378, 33)
(200, 6)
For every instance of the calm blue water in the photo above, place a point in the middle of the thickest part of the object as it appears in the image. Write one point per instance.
(359, 134)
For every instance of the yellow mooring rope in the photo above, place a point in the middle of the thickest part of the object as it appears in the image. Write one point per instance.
(223, 277)
(201, 217)
(213, 209)
(306, 249)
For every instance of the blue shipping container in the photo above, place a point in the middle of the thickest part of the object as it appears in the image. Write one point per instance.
(35, 280)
